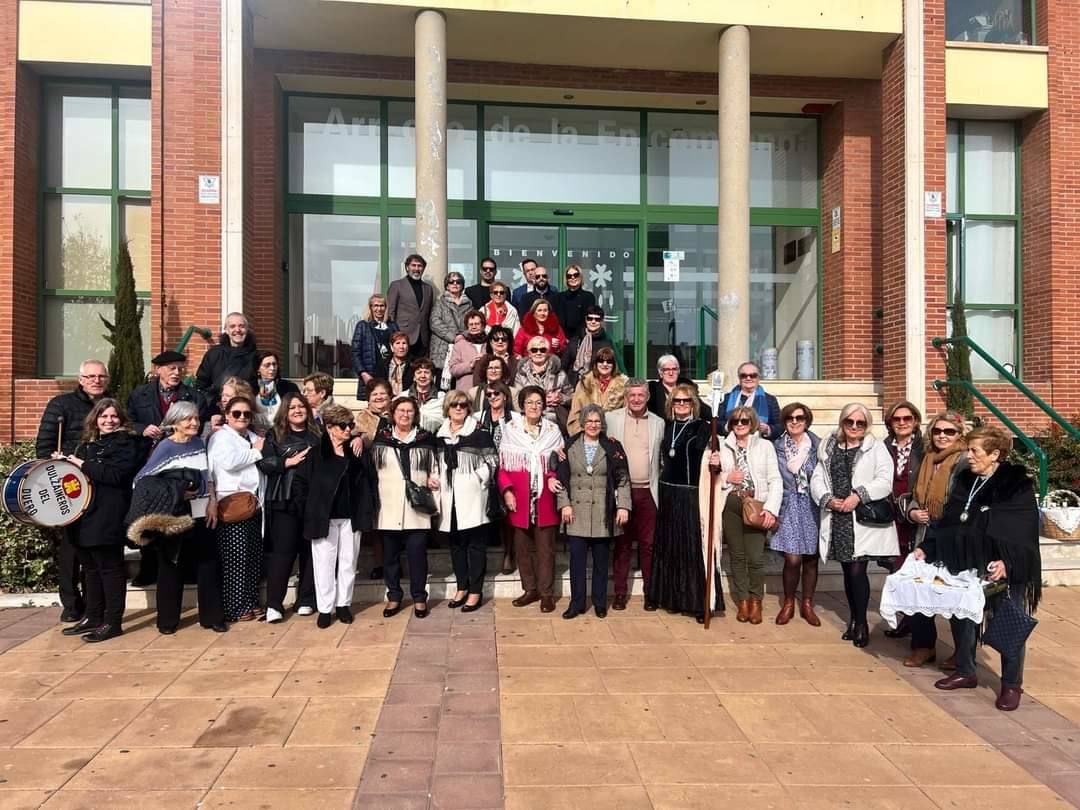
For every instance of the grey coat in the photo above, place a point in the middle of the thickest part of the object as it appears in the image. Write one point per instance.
(588, 494)
(447, 322)
(413, 320)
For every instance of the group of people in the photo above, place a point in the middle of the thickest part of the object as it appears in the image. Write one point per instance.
(500, 417)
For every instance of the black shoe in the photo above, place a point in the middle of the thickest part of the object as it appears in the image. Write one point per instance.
(861, 635)
(456, 603)
(649, 606)
(421, 613)
(167, 631)
(570, 613)
(391, 611)
(467, 608)
(71, 615)
(699, 618)
(849, 633)
(82, 628)
(325, 620)
(344, 614)
(903, 630)
(601, 612)
(375, 573)
(142, 580)
(220, 627)
(103, 633)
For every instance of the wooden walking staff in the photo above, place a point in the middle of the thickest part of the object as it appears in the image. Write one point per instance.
(60, 434)
(716, 398)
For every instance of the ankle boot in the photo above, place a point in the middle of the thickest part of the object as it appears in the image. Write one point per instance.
(849, 633)
(806, 610)
(755, 610)
(744, 611)
(787, 610)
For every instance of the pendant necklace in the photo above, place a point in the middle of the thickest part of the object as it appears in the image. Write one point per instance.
(676, 432)
(964, 515)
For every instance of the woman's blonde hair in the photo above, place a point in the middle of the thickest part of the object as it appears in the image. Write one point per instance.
(848, 410)
(743, 412)
(953, 418)
(452, 398)
(371, 298)
(695, 403)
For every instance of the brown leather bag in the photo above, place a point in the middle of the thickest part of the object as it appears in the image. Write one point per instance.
(237, 507)
(753, 512)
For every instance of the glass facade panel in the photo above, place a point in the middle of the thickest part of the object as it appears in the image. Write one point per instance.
(134, 112)
(462, 251)
(995, 332)
(952, 167)
(682, 159)
(460, 150)
(607, 256)
(78, 333)
(561, 155)
(989, 262)
(510, 245)
(783, 162)
(136, 231)
(989, 167)
(333, 269)
(78, 136)
(1002, 21)
(334, 146)
(78, 243)
(783, 293)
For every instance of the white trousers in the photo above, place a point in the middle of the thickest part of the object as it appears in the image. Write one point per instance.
(333, 562)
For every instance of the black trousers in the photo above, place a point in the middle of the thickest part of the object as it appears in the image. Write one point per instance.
(468, 554)
(414, 543)
(196, 549)
(106, 583)
(285, 544)
(923, 632)
(69, 572)
(579, 551)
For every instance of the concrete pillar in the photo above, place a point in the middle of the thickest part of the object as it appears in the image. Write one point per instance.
(733, 224)
(431, 225)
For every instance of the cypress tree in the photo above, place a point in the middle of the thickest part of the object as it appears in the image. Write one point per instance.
(958, 364)
(126, 369)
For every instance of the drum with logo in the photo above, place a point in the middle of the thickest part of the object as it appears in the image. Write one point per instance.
(47, 492)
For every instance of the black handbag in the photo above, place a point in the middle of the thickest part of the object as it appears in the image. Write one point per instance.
(878, 513)
(496, 508)
(1008, 628)
(420, 498)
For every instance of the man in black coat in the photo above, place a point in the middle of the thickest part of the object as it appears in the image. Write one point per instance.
(66, 413)
(572, 304)
(542, 288)
(234, 356)
(480, 293)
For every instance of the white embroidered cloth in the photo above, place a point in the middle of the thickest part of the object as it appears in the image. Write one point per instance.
(919, 587)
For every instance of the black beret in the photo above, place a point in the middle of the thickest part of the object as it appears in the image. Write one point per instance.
(167, 357)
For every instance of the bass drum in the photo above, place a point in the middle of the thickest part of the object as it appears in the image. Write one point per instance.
(48, 492)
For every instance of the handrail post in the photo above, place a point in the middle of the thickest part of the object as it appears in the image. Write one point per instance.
(702, 310)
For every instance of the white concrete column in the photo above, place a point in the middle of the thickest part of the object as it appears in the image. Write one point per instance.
(431, 225)
(232, 156)
(914, 212)
(733, 223)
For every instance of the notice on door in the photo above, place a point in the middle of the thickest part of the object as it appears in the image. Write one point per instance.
(672, 265)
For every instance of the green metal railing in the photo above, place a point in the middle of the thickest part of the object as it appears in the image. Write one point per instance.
(703, 310)
(201, 331)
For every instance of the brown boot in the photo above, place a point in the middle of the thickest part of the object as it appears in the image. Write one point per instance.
(526, 598)
(755, 610)
(744, 611)
(787, 610)
(920, 656)
(806, 610)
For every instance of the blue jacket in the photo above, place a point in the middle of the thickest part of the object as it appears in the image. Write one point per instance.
(366, 355)
(766, 405)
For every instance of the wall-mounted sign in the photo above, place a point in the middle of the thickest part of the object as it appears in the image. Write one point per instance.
(836, 229)
(932, 205)
(209, 189)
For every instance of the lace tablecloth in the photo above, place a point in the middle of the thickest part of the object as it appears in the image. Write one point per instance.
(919, 587)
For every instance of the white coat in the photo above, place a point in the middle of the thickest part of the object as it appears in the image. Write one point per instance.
(472, 480)
(616, 429)
(872, 478)
(764, 470)
(395, 512)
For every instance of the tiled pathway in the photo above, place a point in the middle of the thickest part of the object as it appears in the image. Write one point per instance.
(512, 708)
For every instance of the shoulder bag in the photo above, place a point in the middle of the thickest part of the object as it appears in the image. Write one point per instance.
(237, 507)
(877, 513)
(420, 498)
(1008, 628)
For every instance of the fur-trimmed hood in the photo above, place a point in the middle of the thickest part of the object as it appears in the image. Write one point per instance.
(141, 532)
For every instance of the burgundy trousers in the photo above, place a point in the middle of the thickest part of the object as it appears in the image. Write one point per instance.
(642, 527)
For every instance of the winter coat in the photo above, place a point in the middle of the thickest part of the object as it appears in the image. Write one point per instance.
(447, 322)
(73, 407)
(233, 462)
(658, 397)
(595, 494)
(872, 479)
(600, 340)
(395, 512)
(616, 429)
(285, 487)
(531, 296)
(144, 405)
(469, 463)
(551, 379)
(370, 352)
(110, 462)
(570, 306)
(401, 307)
(463, 357)
(517, 481)
(588, 392)
(159, 506)
(764, 404)
(553, 334)
(764, 470)
(220, 363)
(323, 470)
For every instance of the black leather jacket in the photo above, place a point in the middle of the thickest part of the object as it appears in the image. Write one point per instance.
(283, 488)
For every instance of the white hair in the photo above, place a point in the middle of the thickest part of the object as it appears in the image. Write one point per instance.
(237, 315)
(667, 358)
(86, 363)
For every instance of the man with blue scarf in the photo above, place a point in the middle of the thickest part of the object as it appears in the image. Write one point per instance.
(748, 393)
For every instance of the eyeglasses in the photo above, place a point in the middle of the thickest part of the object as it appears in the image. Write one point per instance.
(943, 431)
(753, 376)
(487, 268)
(240, 414)
(94, 376)
(797, 417)
(596, 318)
(500, 293)
(669, 370)
(345, 425)
(459, 404)
(681, 400)
(573, 275)
(740, 422)
(854, 423)
(537, 350)
(902, 420)
(533, 403)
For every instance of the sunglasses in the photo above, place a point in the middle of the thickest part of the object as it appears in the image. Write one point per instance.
(854, 423)
(573, 275)
(240, 414)
(537, 350)
(740, 422)
(345, 425)
(459, 404)
(943, 431)
(500, 293)
(490, 394)
(681, 401)
(604, 363)
(454, 282)
(797, 417)
(748, 376)
(596, 318)
(488, 269)
(540, 278)
(499, 338)
(903, 420)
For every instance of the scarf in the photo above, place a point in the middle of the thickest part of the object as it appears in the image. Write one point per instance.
(494, 315)
(267, 392)
(477, 339)
(756, 400)
(796, 452)
(583, 358)
(519, 451)
(932, 484)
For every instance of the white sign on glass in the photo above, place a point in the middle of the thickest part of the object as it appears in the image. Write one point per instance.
(672, 265)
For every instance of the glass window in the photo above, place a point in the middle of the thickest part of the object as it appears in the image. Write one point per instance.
(607, 256)
(78, 136)
(510, 245)
(334, 146)
(1003, 21)
(682, 159)
(783, 293)
(460, 150)
(989, 167)
(462, 253)
(783, 162)
(134, 111)
(952, 167)
(989, 262)
(136, 232)
(78, 333)
(78, 242)
(546, 154)
(995, 331)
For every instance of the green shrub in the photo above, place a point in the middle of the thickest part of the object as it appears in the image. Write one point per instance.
(1062, 456)
(27, 553)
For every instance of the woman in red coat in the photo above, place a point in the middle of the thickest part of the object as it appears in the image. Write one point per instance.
(540, 321)
(528, 485)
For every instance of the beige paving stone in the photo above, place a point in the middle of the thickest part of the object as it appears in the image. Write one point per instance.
(171, 723)
(654, 681)
(27, 769)
(736, 656)
(228, 659)
(224, 684)
(20, 718)
(186, 638)
(336, 721)
(920, 720)
(770, 718)
(29, 686)
(784, 681)
(524, 631)
(673, 763)
(616, 718)
(15, 661)
(613, 797)
(282, 799)
(259, 721)
(145, 768)
(114, 685)
(250, 635)
(849, 764)
(640, 656)
(539, 719)
(641, 631)
(123, 800)
(854, 681)
(807, 797)
(294, 767)
(1066, 705)
(1034, 797)
(1056, 681)
(583, 631)
(382, 656)
(546, 656)
(53, 640)
(569, 764)
(135, 661)
(694, 717)
(844, 718)
(300, 635)
(704, 797)
(550, 681)
(370, 683)
(373, 633)
(24, 799)
(86, 724)
(975, 765)
(827, 655)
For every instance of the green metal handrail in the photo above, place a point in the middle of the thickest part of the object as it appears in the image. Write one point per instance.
(702, 310)
(1009, 377)
(1028, 442)
(202, 331)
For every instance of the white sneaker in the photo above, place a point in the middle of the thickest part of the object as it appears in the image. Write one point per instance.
(273, 616)
(305, 610)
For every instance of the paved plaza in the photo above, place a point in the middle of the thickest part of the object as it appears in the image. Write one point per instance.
(511, 708)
